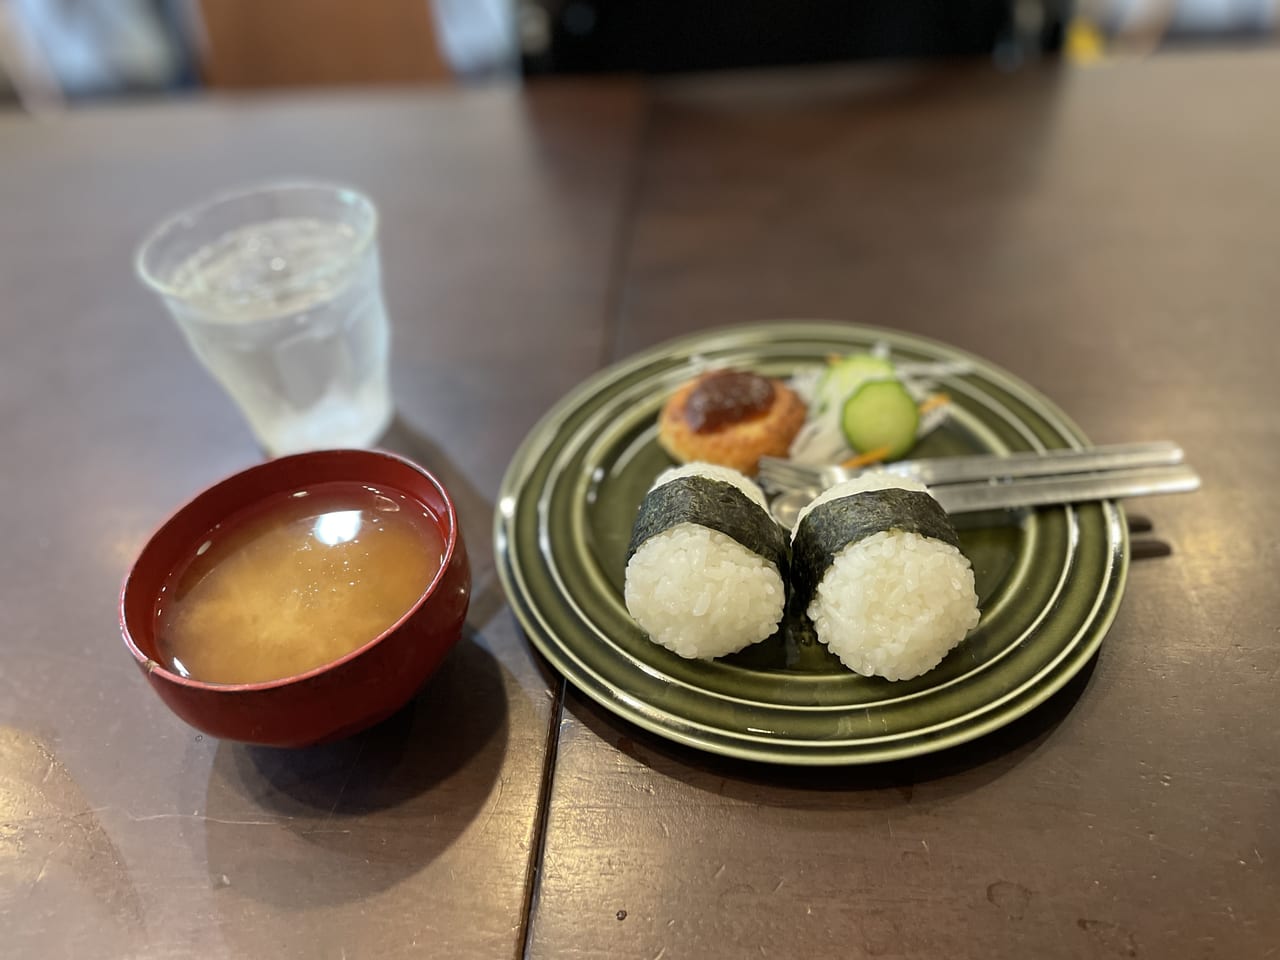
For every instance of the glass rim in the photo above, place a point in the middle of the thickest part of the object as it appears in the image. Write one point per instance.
(175, 221)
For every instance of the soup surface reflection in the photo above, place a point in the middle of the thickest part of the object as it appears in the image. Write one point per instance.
(297, 583)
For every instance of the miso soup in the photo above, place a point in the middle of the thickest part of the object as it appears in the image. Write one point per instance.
(297, 583)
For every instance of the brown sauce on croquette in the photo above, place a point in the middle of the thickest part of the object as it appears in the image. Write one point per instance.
(726, 397)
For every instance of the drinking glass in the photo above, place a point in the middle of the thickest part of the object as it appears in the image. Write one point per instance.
(278, 291)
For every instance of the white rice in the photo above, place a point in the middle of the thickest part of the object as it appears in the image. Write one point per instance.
(699, 592)
(893, 604)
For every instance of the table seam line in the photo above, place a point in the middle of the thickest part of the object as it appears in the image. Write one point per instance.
(624, 236)
(537, 851)
(611, 311)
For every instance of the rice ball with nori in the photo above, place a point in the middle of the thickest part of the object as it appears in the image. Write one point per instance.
(707, 563)
(878, 569)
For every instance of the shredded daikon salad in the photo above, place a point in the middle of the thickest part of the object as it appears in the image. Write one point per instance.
(822, 439)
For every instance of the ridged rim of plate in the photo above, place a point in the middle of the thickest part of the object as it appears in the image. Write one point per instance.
(547, 481)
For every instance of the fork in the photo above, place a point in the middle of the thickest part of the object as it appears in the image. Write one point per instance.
(782, 476)
(1018, 492)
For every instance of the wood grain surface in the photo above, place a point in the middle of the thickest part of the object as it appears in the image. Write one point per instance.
(1108, 235)
(124, 833)
(1111, 237)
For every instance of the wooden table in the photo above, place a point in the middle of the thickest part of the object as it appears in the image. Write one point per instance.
(1108, 235)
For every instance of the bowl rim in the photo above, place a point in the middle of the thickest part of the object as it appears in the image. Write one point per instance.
(152, 667)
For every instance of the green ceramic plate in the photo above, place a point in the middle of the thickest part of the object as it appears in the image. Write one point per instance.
(1049, 581)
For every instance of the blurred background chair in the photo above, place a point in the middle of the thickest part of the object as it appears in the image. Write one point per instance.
(274, 43)
(57, 50)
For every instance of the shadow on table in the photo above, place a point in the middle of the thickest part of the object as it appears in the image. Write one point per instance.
(357, 816)
(475, 511)
(955, 770)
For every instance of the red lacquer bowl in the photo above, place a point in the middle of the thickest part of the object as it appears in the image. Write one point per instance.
(330, 701)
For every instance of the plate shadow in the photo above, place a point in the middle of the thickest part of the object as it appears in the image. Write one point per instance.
(955, 770)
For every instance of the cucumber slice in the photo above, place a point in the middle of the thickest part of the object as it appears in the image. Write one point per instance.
(881, 413)
(842, 378)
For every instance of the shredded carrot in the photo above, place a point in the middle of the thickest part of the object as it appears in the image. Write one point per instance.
(866, 459)
(934, 401)
(833, 358)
